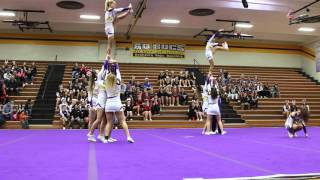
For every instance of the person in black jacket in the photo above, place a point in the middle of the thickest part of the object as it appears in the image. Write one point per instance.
(75, 116)
(192, 111)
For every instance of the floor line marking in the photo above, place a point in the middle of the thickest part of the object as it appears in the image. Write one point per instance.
(277, 145)
(92, 163)
(212, 154)
(16, 140)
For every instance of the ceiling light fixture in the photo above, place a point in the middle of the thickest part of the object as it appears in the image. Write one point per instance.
(91, 17)
(170, 21)
(306, 29)
(244, 25)
(7, 14)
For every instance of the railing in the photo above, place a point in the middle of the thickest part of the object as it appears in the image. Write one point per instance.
(196, 62)
(46, 83)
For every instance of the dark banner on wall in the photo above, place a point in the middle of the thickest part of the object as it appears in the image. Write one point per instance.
(318, 58)
(158, 50)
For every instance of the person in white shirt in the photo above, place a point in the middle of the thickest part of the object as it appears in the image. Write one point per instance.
(213, 108)
(212, 47)
(114, 106)
(111, 17)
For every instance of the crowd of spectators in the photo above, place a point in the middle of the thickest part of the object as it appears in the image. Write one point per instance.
(246, 90)
(13, 78)
(72, 101)
(139, 98)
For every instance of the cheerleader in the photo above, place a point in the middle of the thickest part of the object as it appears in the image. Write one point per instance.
(92, 97)
(113, 105)
(100, 105)
(213, 109)
(296, 122)
(212, 47)
(111, 18)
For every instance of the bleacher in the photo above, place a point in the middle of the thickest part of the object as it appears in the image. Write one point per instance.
(171, 117)
(292, 83)
(28, 92)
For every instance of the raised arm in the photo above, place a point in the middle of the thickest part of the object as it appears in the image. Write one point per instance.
(118, 74)
(212, 38)
(120, 10)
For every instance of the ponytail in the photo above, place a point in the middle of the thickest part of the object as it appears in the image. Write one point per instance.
(214, 93)
(92, 79)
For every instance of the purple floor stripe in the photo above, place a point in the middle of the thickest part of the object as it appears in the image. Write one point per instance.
(158, 154)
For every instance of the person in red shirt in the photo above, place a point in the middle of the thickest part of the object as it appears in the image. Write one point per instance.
(156, 105)
(175, 96)
(138, 103)
(147, 111)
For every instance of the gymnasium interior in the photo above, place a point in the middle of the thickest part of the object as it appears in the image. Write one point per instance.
(266, 73)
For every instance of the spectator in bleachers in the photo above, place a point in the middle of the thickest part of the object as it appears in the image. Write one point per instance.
(22, 116)
(75, 116)
(161, 95)
(129, 110)
(138, 103)
(84, 115)
(254, 100)
(7, 111)
(192, 111)
(175, 96)
(192, 79)
(260, 89)
(21, 77)
(232, 94)
(161, 78)
(28, 107)
(139, 85)
(286, 109)
(244, 101)
(147, 85)
(183, 96)
(29, 77)
(275, 91)
(182, 79)
(7, 76)
(200, 113)
(195, 95)
(188, 79)
(133, 81)
(123, 91)
(147, 115)
(156, 105)
(12, 86)
(2, 120)
(167, 81)
(168, 93)
(65, 116)
(33, 69)
(3, 93)
(75, 70)
(172, 77)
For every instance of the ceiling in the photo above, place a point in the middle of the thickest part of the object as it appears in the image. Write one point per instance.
(267, 16)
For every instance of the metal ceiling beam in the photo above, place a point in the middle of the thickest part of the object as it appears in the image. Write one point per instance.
(142, 6)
